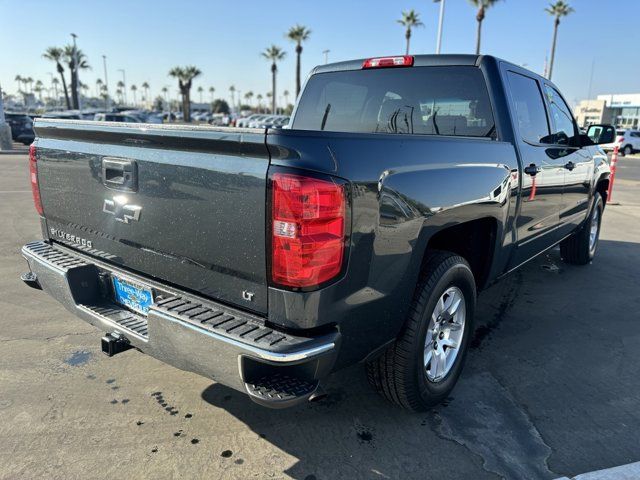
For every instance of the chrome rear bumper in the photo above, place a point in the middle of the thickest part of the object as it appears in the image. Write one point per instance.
(189, 332)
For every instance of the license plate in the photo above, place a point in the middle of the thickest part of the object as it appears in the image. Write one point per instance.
(131, 295)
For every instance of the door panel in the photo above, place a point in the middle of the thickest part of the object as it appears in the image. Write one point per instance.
(541, 196)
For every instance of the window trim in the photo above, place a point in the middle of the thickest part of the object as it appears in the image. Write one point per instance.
(576, 131)
(513, 107)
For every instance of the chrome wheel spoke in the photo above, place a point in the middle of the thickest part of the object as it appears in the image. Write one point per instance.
(449, 342)
(456, 300)
(454, 327)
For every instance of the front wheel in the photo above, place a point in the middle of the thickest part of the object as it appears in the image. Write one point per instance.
(421, 367)
(627, 150)
(580, 248)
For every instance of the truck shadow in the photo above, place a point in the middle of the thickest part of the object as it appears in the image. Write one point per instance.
(536, 370)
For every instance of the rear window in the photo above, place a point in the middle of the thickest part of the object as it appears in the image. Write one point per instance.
(415, 100)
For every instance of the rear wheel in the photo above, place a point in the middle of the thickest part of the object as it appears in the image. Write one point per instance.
(627, 150)
(580, 248)
(422, 366)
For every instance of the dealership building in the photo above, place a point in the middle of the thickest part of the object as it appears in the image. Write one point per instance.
(622, 110)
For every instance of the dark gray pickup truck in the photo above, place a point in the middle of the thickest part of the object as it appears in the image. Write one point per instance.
(265, 260)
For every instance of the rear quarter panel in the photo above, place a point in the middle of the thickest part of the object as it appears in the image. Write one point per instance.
(404, 189)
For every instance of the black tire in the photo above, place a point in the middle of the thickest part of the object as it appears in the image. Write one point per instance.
(627, 150)
(578, 249)
(399, 374)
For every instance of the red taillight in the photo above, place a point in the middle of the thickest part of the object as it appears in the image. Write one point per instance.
(384, 62)
(33, 175)
(308, 230)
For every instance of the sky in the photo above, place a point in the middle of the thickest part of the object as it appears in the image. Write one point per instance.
(224, 39)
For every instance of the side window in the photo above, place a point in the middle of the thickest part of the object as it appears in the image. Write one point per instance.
(563, 130)
(531, 115)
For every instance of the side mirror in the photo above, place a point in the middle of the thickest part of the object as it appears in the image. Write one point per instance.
(601, 134)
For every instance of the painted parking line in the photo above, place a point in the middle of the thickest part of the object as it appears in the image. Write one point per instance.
(15, 191)
(630, 471)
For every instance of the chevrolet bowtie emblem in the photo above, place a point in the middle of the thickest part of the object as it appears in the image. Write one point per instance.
(119, 208)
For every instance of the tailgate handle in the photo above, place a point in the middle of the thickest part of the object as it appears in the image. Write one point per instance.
(120, 174)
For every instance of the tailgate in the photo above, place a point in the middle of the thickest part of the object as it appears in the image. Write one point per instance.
(183, 204)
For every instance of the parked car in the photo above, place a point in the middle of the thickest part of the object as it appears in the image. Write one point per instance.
(245, 121)
(627, 141)
(404, 186)
(21, 127)
(116, 117)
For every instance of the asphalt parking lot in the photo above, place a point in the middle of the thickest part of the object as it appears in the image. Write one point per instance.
(550, 388)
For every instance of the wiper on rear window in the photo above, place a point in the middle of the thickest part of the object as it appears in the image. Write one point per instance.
(324, 117)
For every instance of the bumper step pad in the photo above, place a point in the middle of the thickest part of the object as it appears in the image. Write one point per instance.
(280, 390)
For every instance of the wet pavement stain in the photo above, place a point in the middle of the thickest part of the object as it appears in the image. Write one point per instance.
(113, 402)
(508, 300)
(239, 461)
(91, 376)
(226, 454)
(171, 410)
(365, 436)
(125, 400)
(195, 441)
(79, 358)
(485, 415)
(178, 433)
(139, 423)
(154, 449)
(188, 415)
(110, 381)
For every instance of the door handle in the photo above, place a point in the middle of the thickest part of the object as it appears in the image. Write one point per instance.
(569, 166)
(532, 170)
(120, 174)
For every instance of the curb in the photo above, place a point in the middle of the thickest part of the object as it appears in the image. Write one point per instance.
(623, 472)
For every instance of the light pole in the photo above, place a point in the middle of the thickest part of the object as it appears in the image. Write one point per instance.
(440, 22)
(75, 71)
(106, 81)
(326, 56)
(124, 80)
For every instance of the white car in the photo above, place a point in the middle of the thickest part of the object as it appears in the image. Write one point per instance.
(627, 141)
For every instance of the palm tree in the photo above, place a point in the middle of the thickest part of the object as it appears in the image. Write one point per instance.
(232, 90)
(55, 83)
(410, 20)
(185, 76)
(134, 89)
(285, 94)
(84, 87)
(298, 34)
(248, 96)
(259, 98)
(120, 89)
(98, 86)
(56, 55)
(146, 87)
(29, 81)
(482, 6)
(273, 54)
(38, 89)
(558, 10)
(211, 91)
(200, 90)
(19, 78)
(70, 55)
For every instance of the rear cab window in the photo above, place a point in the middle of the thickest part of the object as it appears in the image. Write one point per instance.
(449, 100)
